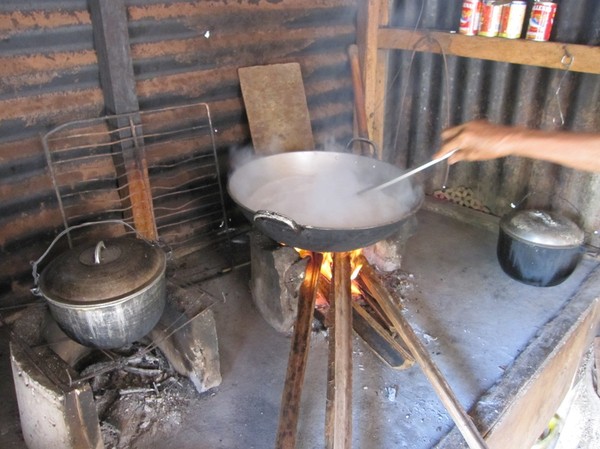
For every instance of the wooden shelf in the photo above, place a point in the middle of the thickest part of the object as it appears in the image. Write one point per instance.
(553, 55)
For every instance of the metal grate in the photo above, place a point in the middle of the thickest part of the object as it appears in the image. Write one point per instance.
(175, 147)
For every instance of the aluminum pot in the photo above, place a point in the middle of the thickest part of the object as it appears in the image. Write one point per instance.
(539, 248)
(106, 294)
(307, 199)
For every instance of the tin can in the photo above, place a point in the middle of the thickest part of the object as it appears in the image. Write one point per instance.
(489, 24)
(469, 18)
(511, 20)
(541, 21)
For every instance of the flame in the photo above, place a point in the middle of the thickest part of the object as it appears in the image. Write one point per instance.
(327, 266)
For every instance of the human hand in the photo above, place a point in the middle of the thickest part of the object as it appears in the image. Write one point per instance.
(476, 140)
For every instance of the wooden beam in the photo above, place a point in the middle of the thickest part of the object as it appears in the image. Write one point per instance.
(597, 363)
(111, 41)
(552, 55)
(338, 419)
(539, 398)
(374, 62)
(292, 389)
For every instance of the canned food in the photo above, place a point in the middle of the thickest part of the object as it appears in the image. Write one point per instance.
(541, 21)
(511, 20)
(469, 18)
(489, 24)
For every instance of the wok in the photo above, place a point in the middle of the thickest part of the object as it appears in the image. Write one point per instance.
(307, 199)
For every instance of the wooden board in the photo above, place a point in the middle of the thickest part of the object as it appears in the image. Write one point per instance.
(276, 106)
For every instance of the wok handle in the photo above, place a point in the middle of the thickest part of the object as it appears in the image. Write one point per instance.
(274, 216)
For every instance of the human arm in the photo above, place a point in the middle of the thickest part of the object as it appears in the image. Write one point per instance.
(481, 140)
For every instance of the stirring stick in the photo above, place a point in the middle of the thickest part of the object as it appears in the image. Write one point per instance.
(408, 173)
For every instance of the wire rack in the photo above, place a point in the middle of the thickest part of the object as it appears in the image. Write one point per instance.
(179, 170)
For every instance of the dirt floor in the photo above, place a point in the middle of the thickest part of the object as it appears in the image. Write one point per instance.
(473, 319)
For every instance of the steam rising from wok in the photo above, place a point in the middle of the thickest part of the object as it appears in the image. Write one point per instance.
(320, 191)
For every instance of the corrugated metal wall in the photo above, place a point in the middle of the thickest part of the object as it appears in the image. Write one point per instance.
(429, 92)
(190, 51)
(182, 51)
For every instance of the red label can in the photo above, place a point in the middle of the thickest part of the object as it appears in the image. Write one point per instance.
(511, 20)
(489, 24)
(469, 18)
(541, 21)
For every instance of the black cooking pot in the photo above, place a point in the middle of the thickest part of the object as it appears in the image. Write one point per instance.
(539, 248)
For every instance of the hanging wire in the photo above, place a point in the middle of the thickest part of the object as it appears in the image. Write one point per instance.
(406, 85)
(567, 61)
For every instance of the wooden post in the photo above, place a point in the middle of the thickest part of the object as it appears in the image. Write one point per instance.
(374, 63)
(360, 113)
(111, 40)
(338, 419)
(292, 389)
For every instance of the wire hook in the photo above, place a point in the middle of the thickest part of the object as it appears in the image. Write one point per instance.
(567, 61)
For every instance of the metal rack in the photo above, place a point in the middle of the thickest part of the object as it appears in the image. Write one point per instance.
(176, 165)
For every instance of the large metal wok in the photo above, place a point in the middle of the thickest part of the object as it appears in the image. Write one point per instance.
(308, 199)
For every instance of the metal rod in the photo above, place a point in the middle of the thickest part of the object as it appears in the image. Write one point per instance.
(408, 174)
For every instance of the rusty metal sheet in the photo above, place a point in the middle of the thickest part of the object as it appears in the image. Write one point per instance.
(276, 106)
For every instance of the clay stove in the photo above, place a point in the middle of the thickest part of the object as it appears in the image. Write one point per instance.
(72, 396)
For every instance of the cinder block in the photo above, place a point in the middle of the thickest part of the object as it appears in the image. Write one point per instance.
(54, 412)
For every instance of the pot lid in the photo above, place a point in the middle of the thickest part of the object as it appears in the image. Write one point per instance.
(543, 228)
(104, 271)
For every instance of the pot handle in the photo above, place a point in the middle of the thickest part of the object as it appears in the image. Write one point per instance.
(98, 252)
(374, 149)
(274, 216)
(35, 290)
(533, 193)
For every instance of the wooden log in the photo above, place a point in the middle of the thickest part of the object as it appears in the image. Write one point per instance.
(338, 419)
(419, 352)
(292, 389)
(380, 340)
(370, 325)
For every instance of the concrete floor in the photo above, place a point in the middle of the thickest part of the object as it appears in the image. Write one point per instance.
(473, 318)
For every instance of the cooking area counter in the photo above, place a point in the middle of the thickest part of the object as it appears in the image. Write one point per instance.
(474, 320)
(491, 337)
